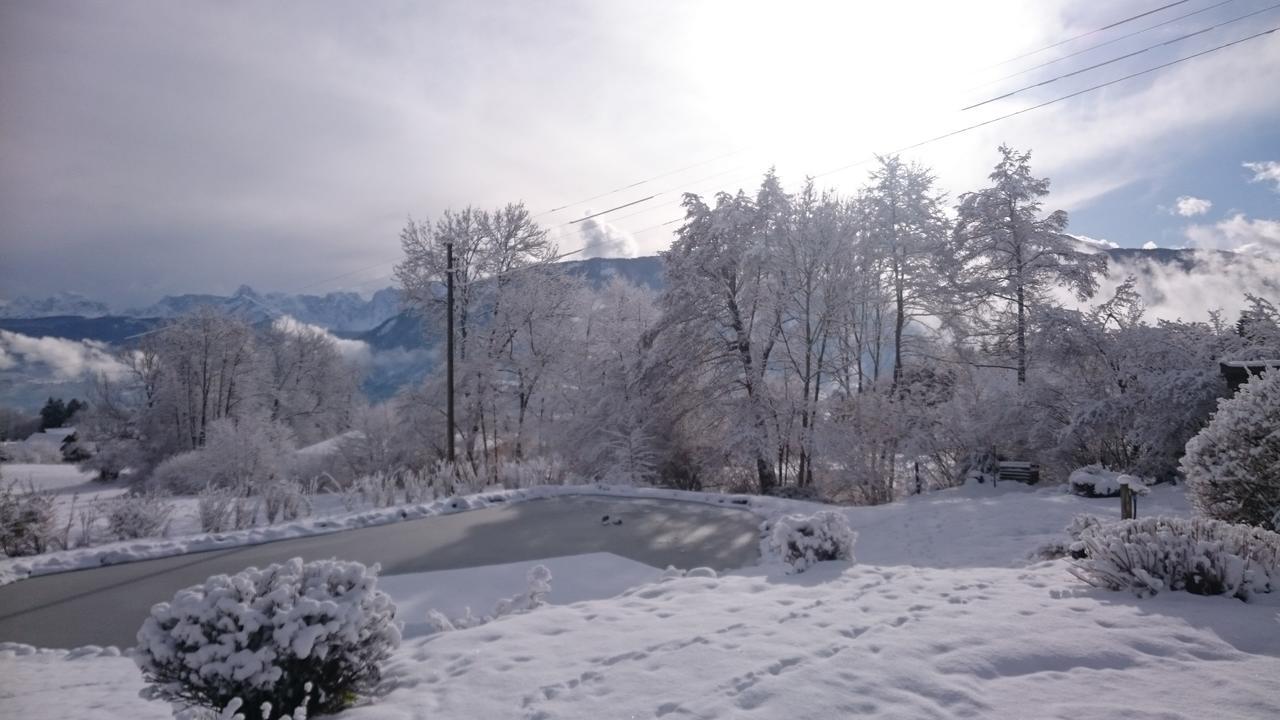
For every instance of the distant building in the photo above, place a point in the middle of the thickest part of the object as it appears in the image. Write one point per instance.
(1238, 372)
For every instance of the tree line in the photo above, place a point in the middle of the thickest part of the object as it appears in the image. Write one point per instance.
(850, 347)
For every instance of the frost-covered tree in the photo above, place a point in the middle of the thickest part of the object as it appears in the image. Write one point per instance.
(721, 321)
(496, 257)
(1008, 259)
(608, 425)
(1233, 465)
(908, 229)
(1120, 392)
(309, 386)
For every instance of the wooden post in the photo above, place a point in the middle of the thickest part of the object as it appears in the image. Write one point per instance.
(1126, 498)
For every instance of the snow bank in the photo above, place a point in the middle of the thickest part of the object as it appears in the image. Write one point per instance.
(534, 596)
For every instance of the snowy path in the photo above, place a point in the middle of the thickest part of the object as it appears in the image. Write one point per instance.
(106, 606)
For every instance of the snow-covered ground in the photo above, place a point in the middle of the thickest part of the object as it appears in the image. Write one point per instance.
(944, 615)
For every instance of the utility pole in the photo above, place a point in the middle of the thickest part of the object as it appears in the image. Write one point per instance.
(448, 244)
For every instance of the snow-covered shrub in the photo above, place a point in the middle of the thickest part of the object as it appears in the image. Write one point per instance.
(28, 522)
(393, 487)
(1233, 466)
(87, 520)
(130, 518)
(248, 452)
(244, 512)
(1199, 555)
(802, 540)
(534, 596)
(1097, 481)
(222, 509)
(295, 635)
(531, 473)
(284, 500)
(1073, 546)
(214, 506)
(184, 474)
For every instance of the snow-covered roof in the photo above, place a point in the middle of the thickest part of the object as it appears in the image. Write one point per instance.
(1252, 363)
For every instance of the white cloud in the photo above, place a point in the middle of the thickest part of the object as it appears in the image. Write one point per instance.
(1094, 243)
(1265, 172)
(1216, 281)
(355, 351)
(1237, 234)
(1190, 206)
(600, 239)
(1149, 245)
(66, 359)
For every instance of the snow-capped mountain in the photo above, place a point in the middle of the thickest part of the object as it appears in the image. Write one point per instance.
(345, 311)
(63, 303)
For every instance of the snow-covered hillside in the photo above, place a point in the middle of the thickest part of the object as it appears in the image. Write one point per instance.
(944, 615)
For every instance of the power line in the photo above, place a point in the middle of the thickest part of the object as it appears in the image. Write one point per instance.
(1118, 59)
(1112, 41)
(638, 183)
(690, 184)
(343, 275)
(739, 151)
(605, 212)
(1058, 99)
(1073, 38)
(937, 138)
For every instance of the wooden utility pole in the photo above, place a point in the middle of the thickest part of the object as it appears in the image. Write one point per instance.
(449, 342)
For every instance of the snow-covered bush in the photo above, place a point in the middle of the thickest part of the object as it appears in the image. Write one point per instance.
(534, 596)
(386, 489)
(28, 522)
(1074, 546)
(295, 635)
(531, 473)
(284, 500)
(802, 540)
(130, 518)
(1233, 466)
(1097, 481)
(1199, 555)
(214, 508)
(184, 474)
(248, 452)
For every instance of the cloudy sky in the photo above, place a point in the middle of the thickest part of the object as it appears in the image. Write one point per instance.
(149, 148)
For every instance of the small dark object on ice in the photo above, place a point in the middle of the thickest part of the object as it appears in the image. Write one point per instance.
(606, 521)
